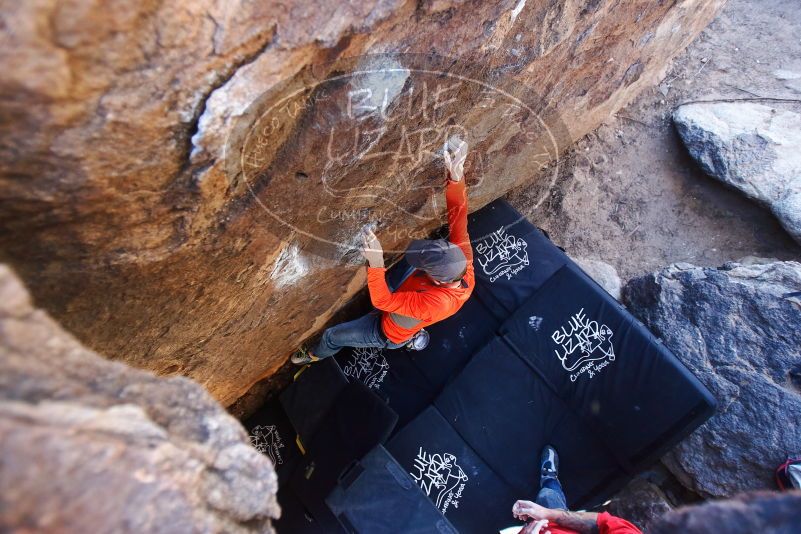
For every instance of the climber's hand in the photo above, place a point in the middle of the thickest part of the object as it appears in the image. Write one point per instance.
(372, 250)
(455, 153)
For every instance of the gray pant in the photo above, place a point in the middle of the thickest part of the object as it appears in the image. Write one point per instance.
(551, 495)
(362, 332)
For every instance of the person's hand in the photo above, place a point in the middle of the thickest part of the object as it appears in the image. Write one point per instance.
(455, 153)
(525, 510)
(372, 250)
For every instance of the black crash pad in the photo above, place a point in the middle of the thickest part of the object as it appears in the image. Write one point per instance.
(378, 495)
(512, 257)
(506, 413)
(392, 375)
(296, 519)
(357, 421)
(608, 368)
(468, 493)
(272, 434)
(501, 391)
(453, 342)
(309, 397)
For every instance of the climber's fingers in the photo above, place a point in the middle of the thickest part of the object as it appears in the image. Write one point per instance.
(370, 241)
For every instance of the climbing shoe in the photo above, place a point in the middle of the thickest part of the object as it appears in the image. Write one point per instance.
(549, 463)
(303, 357)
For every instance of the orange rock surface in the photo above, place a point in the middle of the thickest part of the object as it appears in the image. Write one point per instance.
(155, 208)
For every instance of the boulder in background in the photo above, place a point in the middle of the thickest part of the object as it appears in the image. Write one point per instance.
(764, 512)
(751, 147)
(641, 502)
(603, 273)
(737, 329)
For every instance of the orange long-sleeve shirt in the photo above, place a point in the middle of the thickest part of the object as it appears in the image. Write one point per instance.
(418, 297)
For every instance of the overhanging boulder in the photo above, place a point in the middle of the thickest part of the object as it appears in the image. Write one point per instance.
(117, 206)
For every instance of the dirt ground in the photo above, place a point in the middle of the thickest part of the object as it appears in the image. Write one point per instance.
(635, 199)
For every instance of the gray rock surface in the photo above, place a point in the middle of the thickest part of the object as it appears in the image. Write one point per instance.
(603, 273)
(752, 147)
(641, 502)
(763, 512)
(88, 445)
(737, 329)
(791, 79)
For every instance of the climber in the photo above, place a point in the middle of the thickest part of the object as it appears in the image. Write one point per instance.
(439, 282)
(549, 513)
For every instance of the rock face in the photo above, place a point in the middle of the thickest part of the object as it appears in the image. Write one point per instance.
(752, 147)
(737, 329)
(640, 502)
(603, 273)
(182, 182)
(767, 512)
(90, 445)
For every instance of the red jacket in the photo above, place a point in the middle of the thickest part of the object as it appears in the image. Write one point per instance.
(417, 298)
(607, 524)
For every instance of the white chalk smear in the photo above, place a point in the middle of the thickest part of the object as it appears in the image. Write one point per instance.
(518, 8)
(290, 267)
